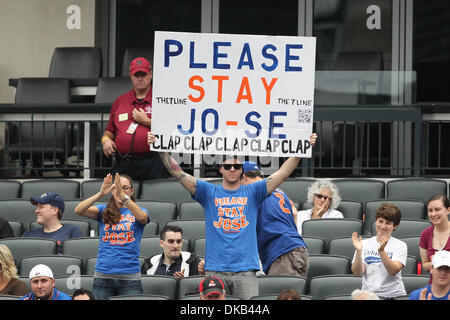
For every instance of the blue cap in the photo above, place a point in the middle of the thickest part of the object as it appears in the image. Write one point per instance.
(49, 198)
(250, 165)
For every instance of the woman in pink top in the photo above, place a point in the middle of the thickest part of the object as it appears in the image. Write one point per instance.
(437, 236)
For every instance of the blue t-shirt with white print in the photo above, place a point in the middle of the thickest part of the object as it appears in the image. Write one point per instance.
(119, 247)
(230, 225)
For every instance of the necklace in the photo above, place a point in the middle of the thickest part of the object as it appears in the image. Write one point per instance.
(440, 242)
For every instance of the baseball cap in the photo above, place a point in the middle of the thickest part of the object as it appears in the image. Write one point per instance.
(210, 285)
(49, 198)
(140, 64)
(40, 270)
(250, 165)
(441, 258)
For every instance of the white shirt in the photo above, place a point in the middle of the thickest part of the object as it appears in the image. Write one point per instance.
(376, 278)
(304, 215)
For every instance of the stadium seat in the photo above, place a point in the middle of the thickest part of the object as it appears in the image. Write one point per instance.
(413, 246)
(331, 285)
(17, 227)
(350, 209)
(61, 265)
(412, 209)
(9, 297)
(415, 188)
(316, 245)
(83, 225)
(407, 228)
(197, 297)
(24, 247)
(89, 266)
(360, 189)
(81, 247)
(139, 297)
(150, 246)
(69, 214)
(192, 229)
(275, 296)
(18, 210)
(90, 187)
(71, 283)
(411, 265)
(76, 62)
(404, 297)
(160, 285)
(331, 228)
(67, 189)
(343, 246)
(189, 286)
(109, 89)
(130, 54)
(327, 264)
(274, 284)
(339, 297)
(191, 210)
(297, 188)
(40, 141)
(414, 281)
(199, 247)
(9, 189)
(164, 190)
(151, 229)
(160, 211)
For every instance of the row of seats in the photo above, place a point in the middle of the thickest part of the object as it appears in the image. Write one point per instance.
(328, 287)
(70, 67)
(355, 189)
(339, 252)
(189, 215)
(87, 62)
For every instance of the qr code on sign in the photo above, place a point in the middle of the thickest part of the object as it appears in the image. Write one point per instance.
(304, 116)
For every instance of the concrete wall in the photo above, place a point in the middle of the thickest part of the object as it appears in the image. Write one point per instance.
(31, 29)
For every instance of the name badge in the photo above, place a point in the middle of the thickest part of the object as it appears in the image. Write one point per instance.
(132, 128)
(123, 117)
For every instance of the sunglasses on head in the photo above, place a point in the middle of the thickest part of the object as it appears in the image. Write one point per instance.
(319, 196)
(236, 166)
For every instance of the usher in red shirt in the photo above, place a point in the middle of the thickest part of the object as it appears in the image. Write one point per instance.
(121, 117)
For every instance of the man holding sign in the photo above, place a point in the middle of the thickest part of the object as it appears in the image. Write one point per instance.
(231, 210)
(241, 95)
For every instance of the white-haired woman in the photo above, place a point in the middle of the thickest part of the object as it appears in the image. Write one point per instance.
(324, 196)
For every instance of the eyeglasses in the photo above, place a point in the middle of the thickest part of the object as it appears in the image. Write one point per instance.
(126, 188)
(319, 196)
(236, 166)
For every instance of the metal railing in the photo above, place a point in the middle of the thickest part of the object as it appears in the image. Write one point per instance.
(370, 141)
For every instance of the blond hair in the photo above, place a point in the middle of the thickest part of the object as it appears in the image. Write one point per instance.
(8, 267)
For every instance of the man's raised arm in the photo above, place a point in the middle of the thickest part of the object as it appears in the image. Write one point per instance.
(187, 181)
(277, 178)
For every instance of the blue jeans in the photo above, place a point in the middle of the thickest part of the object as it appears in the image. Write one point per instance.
(104, 288)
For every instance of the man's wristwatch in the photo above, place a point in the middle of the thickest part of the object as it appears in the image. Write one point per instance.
(125, 198)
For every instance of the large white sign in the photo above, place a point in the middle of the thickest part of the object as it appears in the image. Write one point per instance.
(233, 94)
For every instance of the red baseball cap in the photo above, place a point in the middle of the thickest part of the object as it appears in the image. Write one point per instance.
(140, 64)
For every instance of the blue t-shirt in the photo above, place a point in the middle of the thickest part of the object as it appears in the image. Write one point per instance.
(415, 295)
(119, 247)
(67, 231)
(230, 224)
(276, 229)
(57, 295)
